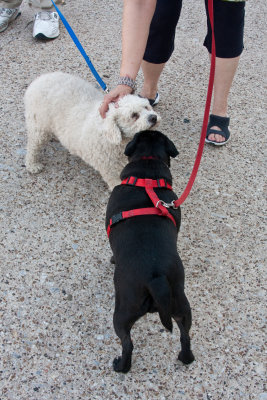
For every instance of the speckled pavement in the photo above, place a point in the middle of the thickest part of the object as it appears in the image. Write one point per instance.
(56, 292)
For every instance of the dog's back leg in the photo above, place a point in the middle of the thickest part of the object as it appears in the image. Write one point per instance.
(123, 323)
(185, 355)
(36, 140)
(183, 318)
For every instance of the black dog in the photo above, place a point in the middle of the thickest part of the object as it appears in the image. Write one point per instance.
(149, 274)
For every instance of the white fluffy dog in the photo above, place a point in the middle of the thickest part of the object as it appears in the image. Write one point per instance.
(66, 107)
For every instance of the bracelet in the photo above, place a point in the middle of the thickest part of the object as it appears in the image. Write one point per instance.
(125, 80)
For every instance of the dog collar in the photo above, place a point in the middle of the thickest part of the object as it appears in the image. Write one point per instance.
(149, 158)
(153, 158)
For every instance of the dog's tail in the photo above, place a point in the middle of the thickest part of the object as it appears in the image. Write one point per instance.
(160, 290)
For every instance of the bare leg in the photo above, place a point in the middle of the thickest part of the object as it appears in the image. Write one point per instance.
(224, 75)
(152, 74)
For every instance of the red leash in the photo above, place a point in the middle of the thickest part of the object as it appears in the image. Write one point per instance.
(160, 208)
(193, 175)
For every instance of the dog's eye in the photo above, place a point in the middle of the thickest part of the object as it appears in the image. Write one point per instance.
(148, 108)
(135, 116)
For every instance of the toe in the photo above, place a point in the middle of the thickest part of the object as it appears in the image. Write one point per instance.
(216, 137)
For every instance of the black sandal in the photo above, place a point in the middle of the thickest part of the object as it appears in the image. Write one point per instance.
(223, 124)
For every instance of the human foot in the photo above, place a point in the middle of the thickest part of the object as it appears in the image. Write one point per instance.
(153, 100)
(218, 132)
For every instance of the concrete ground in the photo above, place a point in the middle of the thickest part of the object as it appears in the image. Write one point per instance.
(56, 291)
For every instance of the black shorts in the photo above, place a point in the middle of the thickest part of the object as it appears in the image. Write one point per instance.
(228, 28)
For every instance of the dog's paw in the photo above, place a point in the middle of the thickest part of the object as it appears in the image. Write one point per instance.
(186, 357)
(119, 367)
(34, 168)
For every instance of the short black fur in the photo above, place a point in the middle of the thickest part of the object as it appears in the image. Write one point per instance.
(149, 274)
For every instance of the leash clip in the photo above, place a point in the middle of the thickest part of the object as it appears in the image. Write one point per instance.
(172, 204)
(166, 205)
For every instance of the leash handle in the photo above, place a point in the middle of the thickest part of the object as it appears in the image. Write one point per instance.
(193, 175)
(81, 49)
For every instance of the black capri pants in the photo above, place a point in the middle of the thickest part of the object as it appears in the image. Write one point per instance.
(228, 29)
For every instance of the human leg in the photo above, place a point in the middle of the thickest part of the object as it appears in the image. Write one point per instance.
(229, 29)
(43, 4)
(224, 76)
(160, 44)
(151, 74)
(10, 4)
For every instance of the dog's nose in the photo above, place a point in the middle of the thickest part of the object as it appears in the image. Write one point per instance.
(152, 119)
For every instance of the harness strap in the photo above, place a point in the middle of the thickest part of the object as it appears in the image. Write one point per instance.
(158, 209)
(154, 183)
(135, 213)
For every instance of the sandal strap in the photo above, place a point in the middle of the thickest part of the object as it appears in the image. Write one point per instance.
(221, 122)
(225, 134)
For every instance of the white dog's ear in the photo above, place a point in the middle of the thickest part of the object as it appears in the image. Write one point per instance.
(112, 131)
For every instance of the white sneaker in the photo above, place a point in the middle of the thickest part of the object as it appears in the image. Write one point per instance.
(7, 15)
(46, 25)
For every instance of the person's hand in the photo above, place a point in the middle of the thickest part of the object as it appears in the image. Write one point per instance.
(113, 97)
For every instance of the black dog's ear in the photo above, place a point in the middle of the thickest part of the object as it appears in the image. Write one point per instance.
(131, 146)
(170, 148)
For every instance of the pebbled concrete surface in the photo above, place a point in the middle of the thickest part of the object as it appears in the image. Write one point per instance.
(56, 288)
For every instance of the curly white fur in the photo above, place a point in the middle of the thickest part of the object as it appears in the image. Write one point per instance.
(67, 107)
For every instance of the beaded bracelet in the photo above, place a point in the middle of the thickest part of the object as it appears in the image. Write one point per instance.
(126, 80)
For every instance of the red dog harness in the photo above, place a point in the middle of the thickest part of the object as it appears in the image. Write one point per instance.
(160, 207)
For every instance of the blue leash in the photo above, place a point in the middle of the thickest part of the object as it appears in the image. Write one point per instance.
(81, 49)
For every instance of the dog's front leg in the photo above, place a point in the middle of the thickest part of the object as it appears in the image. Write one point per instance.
(122, 326)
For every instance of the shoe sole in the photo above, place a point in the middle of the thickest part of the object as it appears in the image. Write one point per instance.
(11, 20)
(216, 143)
(41, 36)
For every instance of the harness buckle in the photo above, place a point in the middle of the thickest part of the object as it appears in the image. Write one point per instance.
(116, 218)
(134, 180)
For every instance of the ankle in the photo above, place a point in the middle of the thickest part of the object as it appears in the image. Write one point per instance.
(149, 92)
(221, 112)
